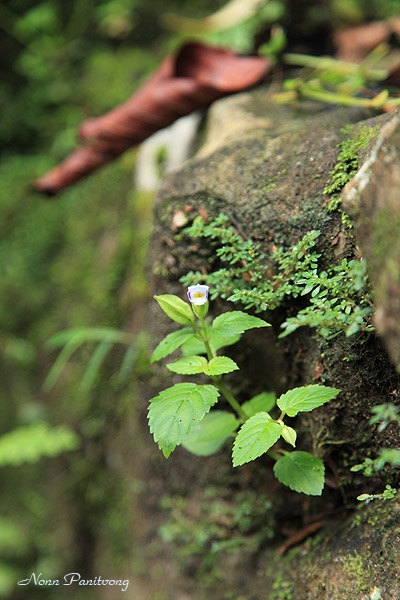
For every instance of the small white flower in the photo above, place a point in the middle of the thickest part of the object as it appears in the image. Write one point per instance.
(198, 294)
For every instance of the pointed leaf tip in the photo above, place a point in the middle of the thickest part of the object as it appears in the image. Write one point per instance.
(175, 308)
(305, 398)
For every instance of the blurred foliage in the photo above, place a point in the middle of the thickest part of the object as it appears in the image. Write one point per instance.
(218, 526)
(70, 262)
(235, 26)
(352, 12)
(77, 262)
(28, 443)
(105, 338)
(57, 50)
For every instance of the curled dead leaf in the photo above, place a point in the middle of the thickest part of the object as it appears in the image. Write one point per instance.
(193, 78)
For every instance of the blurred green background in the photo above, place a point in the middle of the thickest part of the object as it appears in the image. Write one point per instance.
(76, 263)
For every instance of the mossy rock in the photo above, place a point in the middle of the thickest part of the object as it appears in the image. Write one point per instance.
(267, 171)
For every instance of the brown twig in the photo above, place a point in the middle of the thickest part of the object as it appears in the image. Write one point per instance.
(299, 537)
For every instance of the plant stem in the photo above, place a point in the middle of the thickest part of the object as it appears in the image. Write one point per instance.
(322, 95)
(225, 391)
(203, 333)
(337, 66)
(276, 454)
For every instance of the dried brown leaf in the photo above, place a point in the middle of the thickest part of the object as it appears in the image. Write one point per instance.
(194, 78)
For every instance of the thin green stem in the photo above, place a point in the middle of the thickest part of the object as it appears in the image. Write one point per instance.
(225, 391)
(276, 454)
(322, 63)
(337, 66)
(204, 336)
(322, 95)
(210, 353)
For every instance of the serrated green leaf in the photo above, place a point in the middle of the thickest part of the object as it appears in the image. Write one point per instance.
(235, 323)
(263, 402)
(175, 308)
(172, 342)
(255, 437)
(209, 435)
(301, 472)
(305, 399)
(176, 410)
(188, 365)
(220, 365)
(289, 435)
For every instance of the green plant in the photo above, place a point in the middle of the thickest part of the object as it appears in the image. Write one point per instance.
(347, 162)
(235, 25)
(282, 589)
(26, 445)
(181, 414)
(388, 494)
(339, 298)
(383, 414)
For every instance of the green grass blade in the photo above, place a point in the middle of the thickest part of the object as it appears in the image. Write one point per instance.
(128, 362)
(89, 334)
(94, 365)
(60, 363)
